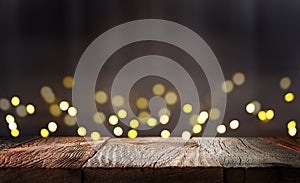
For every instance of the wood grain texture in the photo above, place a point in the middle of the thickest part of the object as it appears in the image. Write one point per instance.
(6, 143)
(287, 142)
(152, 159)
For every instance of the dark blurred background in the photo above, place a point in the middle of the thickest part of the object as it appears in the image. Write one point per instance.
(41, 42)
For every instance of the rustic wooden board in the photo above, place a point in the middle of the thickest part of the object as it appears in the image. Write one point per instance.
(6, 143)
(252, 159)
(152, 160)
(56, 158)
(287, 142)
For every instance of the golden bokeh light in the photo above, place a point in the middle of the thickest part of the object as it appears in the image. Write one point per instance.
(21, 111)
(12, 126)
(15, 101)
(118, 131)
(64, 105)
(122, 113)
(171, 98)
(227, 86)
(4, 104)
(186, 135)
(52, 126)
(69, 120)
(270, 114)
(10, 118)
(292, 131)
(234, 124)
(165, 134)
(99, 117)
(47, 94)
(101, 97)
(214, 114)
(221, 129)
(132, 133)
(239, 78)
(158, 89)
(118, 101)
(142, 103)
(262, 115)
(30, 109)
(134, 123)
(81, 131)
(54, 110)
(15, 133)
(44, 133)
(285, 83)
(291, 124)
(143, 116)
(203, 116)
(197, 129)
(68, 82)
(187, 108)
(250, 108)
(289, 97)
(164, 119)
(151, 122)
(113, 119)
(72, 111)
(95, 136)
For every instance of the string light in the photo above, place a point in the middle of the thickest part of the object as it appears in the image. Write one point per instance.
(81, 131)
(187, 108)
(30, 109)
(44, 133)
(165, 134)
(95, 136)
(221, 129)
(132, 133)
(15, 101)
(52, 126)
(234, 124)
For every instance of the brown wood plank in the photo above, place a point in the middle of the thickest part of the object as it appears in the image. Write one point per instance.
(58, 156)
(152, 160)
(287, 142)
(6, 143)
(252, 159)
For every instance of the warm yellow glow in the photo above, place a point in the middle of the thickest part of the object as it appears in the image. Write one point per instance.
(164, 119)
(12, 126)
(118, 131)
(292, 131)
(113, 119)
(193, 120)
(134, 123)
(262, 115)
(250, 108)
(158, 89)
(15, 133)
(15, 101)
(291, 124)
(227, 86)
(143, 116)
(55, 110)
(118, 101)
(64, 105)
(101, 97)
(186, 135)
(151, 122)
(68, 82)
(72, 111)
(122, 113)
(203, 116)
(289, 97)
(165, 134)
(52, 126)
(234, 124)
(21, 111)
(47, 94)
(4, 104)
(9, 118)
(285, 83)
(142, 103)
(44, 133)
(270, 114)
(239, 78)
(221, 129)
(99, 117)
(171, 98)
(95, 135)
(81, 131)
(132, 133)
(69, 120)
(187, 108)
(214, 114)
(164, 111)
(30, 109)
(197, 128)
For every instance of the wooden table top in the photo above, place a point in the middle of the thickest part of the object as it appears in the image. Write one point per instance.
(151, 159)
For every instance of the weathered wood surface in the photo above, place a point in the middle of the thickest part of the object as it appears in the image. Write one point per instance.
(6, 143)
(73, 159)
(290, 143)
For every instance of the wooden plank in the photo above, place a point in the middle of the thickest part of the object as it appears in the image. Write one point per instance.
(57, 156)
(152, 160)
(252, 159)
(6, 143)
(290, 143)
